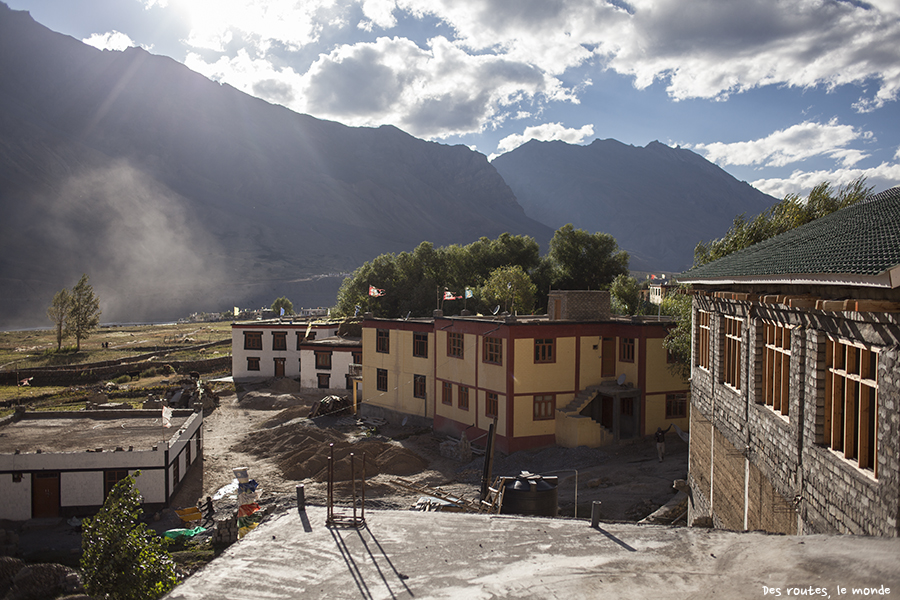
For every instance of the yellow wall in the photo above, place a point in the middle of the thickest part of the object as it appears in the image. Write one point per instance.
(400, 365)
(591, 362)
(451, 368)
(531, 377)
(524, 423)
(656, 414)
(659, 376)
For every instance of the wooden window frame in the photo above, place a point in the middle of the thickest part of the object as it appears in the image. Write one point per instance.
(544, 407)
(544, 350)
(420, 344)
(279, 341)
(381, 380)
(111, 477)
(850, 411)
(447, 393)
(493, 350)
(626, 349)
(704, 320)
(357, 358)
(323, 381)
(253, 340)
(731, 351)
(253, 363)
(775, 392)
(456, 345)
(462, 397)
(383, 341)
(420, 388)
(323, 360)
(677, 406)
(491, 401)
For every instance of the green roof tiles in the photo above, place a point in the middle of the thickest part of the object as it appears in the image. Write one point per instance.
(863, 239)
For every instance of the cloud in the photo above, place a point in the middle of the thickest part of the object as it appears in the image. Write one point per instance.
(111, 40)
(794, 144)
(883, 176)
(545, 133)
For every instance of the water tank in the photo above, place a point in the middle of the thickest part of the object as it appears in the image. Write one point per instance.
(531, 494)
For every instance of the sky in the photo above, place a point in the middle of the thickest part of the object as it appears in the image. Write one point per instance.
(783, 94)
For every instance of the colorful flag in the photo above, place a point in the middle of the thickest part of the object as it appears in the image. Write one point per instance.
(282, 312)
(237, 311)
(167, 416)
(374, 291)
(469, 293)
(449, 296)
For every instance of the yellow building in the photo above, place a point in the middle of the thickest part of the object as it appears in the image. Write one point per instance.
(561, 380)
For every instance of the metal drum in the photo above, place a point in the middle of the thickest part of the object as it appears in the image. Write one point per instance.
(531, 494)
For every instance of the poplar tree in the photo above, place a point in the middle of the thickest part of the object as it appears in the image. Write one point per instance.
(84, 311)
(57, 312)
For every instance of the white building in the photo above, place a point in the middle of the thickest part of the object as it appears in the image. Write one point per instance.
(312, 354)
(62, 464)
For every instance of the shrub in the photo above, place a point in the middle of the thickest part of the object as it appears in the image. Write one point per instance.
(121, 558)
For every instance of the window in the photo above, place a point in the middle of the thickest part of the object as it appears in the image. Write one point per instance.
(493, 350)
(463, 397)
(357, 358)
(176, 472)
(253, 340)
(702, 360)
(731, 359)
(419, 386)
(776, 367)
(491, 405)
(543, 350)
(300, 338)
(850, 411)
(253, 363)
(324, 380)
(420, 345)
(626, 407)
(447, 393)
(543, 407)
(311, 335)
(279, 340)
(676, 406)
(626, 349)
(455, 345)
(187, 453)
(111, 478)
(323, 359)
(381, 380)
(382, 340)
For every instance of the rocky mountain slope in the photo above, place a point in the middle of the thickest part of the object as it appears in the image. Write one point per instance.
(657, 201)
(176, 193)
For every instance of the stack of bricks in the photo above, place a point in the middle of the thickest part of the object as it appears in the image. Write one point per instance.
(226, 531)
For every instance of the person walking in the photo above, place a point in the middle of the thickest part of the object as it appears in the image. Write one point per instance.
(661, 441)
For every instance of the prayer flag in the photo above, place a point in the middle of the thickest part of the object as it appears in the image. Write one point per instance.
(167, 416)
(374, 291)
(469, 293)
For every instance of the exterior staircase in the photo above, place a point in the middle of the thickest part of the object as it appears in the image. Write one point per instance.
(574, 429)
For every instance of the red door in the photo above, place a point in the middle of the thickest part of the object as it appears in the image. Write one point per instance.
(44, 495)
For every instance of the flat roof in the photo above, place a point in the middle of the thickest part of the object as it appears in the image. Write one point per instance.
(82, 432)
(417, 555)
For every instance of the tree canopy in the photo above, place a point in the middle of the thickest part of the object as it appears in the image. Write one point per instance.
(284, 303)
(793, 211)
(57, 312)
(84, 311)
(414, 282)
(511, 288)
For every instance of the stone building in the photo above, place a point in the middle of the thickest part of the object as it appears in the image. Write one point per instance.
(795, 378)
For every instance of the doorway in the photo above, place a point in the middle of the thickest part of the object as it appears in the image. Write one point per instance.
(44, 495)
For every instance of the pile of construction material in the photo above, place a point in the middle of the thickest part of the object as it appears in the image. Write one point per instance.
(187, 393)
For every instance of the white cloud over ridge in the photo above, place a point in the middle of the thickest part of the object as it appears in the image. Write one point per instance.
(794, 144)
(111, 40)
(881, 177)
(545, 133)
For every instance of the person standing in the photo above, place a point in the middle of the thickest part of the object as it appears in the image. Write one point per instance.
(661, 441)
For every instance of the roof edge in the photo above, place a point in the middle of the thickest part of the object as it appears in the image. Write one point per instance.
(887, 279)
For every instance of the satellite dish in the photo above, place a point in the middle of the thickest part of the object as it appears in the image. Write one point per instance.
(496, 309)
(621, 379)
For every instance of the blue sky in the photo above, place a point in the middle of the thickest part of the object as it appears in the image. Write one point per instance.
(783, 94)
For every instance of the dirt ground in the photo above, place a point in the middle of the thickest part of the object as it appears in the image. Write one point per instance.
(265, 429)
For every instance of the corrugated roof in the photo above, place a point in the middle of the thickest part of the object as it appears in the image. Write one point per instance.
(860, 240)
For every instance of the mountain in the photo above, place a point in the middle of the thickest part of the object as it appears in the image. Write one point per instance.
(175, 193)
(657, 201)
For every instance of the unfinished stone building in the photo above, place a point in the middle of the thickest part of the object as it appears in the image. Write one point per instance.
(795, 378)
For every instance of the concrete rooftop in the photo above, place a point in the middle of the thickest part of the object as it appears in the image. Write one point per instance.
(404, 554)
(79, 433)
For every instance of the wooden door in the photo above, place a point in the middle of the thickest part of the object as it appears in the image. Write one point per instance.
(608, 358)
(279, 367)
(44, 495)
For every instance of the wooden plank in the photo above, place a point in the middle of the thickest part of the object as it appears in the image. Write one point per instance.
(769, 299)
(875, 306)
(833, 305)
(802, 302)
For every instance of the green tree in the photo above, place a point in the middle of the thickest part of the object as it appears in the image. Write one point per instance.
(678, 340)
(793, 211)
(121, 558)
(57, 312)
(284, 303)
(626, 293)
(84, 311)
(579, 260)
(511, 287)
